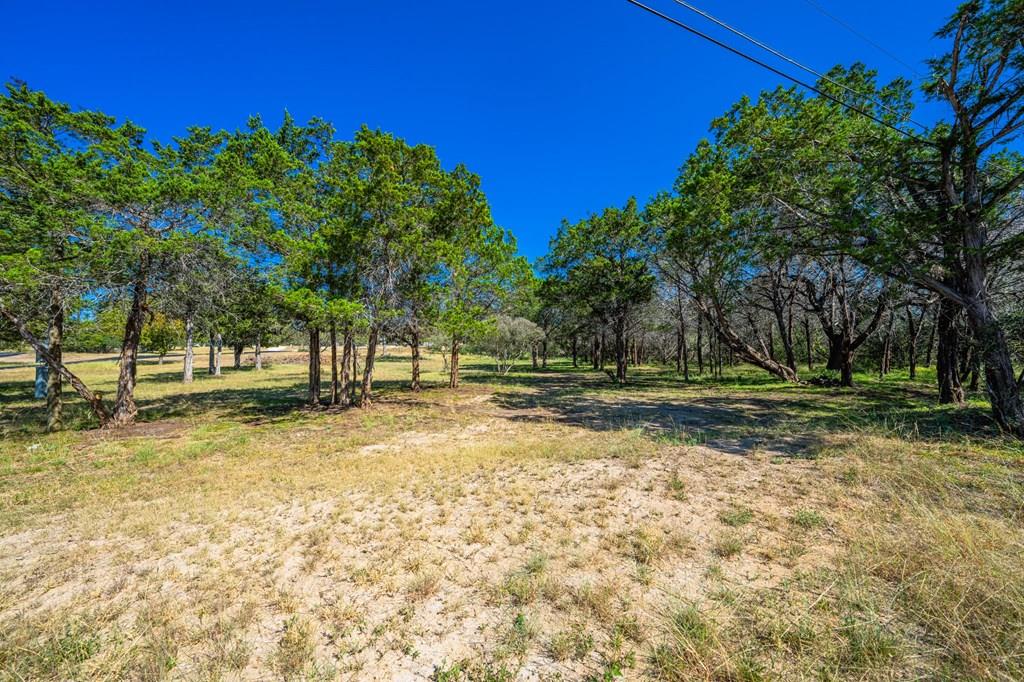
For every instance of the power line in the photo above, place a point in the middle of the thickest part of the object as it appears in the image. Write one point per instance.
(787, 58)
(777, 72)
(860, 35)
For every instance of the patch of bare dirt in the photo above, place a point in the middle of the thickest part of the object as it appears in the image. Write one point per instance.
(392, 587)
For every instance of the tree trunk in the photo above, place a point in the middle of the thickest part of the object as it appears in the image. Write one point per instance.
(94, 400)
(1003, 390)
(238, 348)
(724, 333)
(218, 354)
(54, 390)
(810, 347)
(533, 355)
(313, 384)
(679, 349)
(700, 345)
(620, 350)
(188, 371)
(414, 346)
(686, 353)
(125, 408)
(544, 353)
(913, 331)
(453, 375)
(335, 380)
(213, 344)
(575, 352)
(931, 339)
(355, 370)
(951, 391)
(366, 398)
(346, 359)
(835, 352)
(846, 370)
(885, 363)
(257, 356)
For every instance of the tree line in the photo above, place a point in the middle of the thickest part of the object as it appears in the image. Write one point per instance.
(819, 219)
(237, 236)
(809, 229)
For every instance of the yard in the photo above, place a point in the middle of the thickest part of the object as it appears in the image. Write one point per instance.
(543, 525)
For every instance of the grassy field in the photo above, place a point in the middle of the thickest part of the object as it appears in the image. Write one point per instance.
(545, 526)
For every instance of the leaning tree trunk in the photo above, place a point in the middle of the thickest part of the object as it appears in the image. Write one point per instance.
(1003, 390)
(366, 398)
(125, 408)
(94, 400)
(188, 369)
(54, 398)
(453, 375)
(313, 392)
(719, 323)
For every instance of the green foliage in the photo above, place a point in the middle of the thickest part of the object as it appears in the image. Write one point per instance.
(161, 334)
(509, 339)
(604, 261)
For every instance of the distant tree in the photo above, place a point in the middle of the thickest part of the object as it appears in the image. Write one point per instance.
(605, 263)
(161, 334)
(509, 339)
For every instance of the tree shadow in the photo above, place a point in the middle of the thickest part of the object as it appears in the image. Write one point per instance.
(786, 417)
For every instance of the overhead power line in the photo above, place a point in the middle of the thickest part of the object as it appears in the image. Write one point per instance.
(776, 71)
(767, 48)
(860, 35)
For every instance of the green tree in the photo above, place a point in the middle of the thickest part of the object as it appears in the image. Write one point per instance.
(605, 262)
(479, 266)
(389, 185)
(50, 237)
(161, 334)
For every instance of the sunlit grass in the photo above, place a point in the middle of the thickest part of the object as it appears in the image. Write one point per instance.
(722, 529)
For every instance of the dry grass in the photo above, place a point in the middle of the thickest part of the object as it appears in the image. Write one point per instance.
(501, 532)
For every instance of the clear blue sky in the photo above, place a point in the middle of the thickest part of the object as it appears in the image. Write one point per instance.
(562, 107)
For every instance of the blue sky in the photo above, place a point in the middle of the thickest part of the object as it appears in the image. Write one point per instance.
(562, 107)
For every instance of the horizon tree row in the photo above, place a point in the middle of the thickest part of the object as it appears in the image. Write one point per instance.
(233, 235)
(806, 210)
